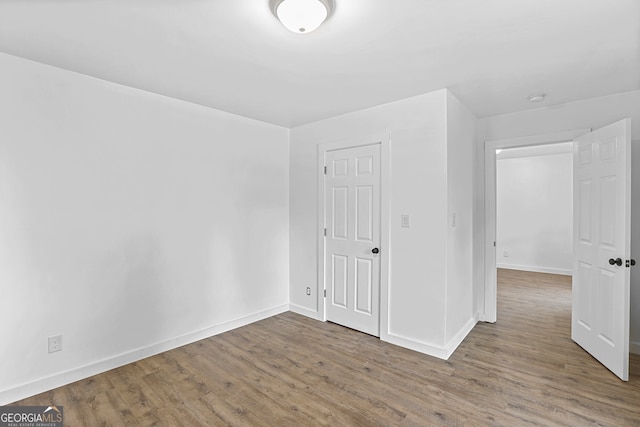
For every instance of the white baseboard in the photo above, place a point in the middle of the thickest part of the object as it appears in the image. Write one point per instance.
(634, 347)
(304, 311)
(482, 317)
(460, 336)
(430, 350)
(535, 269)
(63, 378)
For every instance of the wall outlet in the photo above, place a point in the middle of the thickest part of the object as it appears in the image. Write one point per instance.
(506, 254)
(55, 343)
(405, 221)
(308, 291)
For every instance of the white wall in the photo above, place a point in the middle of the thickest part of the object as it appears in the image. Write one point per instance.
(461, 145)
(417, 310)
(534, 213)
(418, 274)
(130, 223)
(418, 125)
(590, 113)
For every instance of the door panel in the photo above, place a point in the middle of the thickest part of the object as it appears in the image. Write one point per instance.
(352, 191)
(583, 309)
(364, 213)
(340, 214)
(339, 280)
(584, 211)
(608, 212)
(340, 167)
(601, 290)
(364, 285)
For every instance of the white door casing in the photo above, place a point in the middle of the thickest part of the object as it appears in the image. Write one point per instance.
(353, 236)
(601, 287)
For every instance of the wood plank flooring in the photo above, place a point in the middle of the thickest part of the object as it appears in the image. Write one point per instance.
(289, 370)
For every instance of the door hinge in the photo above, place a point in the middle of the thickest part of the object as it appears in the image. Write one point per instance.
(325, 231)
(494, 244)
(325, 170)
(325, 293)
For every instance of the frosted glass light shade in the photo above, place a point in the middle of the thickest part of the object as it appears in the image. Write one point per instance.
(301, 16)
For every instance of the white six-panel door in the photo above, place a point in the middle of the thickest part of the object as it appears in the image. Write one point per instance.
(601, 279)
(352, 212)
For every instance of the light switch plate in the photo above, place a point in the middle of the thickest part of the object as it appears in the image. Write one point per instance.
(406, 221)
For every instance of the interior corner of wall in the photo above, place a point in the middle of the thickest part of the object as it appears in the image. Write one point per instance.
(304, 311)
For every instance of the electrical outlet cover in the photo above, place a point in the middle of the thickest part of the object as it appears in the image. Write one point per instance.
(55, 343)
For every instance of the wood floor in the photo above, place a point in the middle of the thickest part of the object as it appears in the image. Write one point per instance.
(292, 371)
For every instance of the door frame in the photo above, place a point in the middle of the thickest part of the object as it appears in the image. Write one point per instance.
(488, 295)
(384, 140)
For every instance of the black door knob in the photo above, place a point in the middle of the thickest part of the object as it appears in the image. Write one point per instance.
(616, 261)
(375, 250)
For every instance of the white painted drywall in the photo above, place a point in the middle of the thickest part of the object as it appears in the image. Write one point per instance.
(418, 282)
(534, 213)
(417, 311)
(590, 113)
(461, 145)
(128, 221)
(418, 177)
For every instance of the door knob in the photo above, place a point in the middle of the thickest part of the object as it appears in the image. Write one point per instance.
(375, 250)
(616, 261)
(633, 262)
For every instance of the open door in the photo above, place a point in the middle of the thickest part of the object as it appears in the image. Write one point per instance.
(601, 239)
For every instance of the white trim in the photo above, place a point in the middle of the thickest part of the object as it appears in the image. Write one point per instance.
(430, 350)
(460, 336)
(536, 269)
(304, 311)
(385, 229)
(63, 378)
(322, 224)
(385, 233)
(487, 312)
(541, 139)
(483, 318)
(537, 151)
(634, 347)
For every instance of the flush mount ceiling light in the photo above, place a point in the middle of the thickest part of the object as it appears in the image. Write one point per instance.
(538, 97)
(301, 16)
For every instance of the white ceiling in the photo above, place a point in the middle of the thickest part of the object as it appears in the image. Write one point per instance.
(234, 55)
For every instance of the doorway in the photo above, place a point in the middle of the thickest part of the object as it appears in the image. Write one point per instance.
(488, 294)
(534, 234)
(534, 208)
(601, 224)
